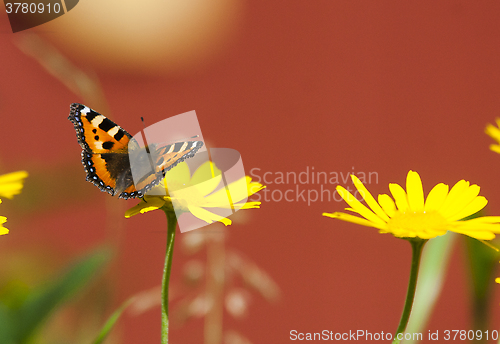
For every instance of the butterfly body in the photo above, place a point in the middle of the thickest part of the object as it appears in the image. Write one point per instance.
(107, 150)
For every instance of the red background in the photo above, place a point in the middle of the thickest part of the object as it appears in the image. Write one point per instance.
(377, 86)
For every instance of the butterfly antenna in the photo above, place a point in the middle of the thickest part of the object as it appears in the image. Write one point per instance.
(147, 146)
(144, 135)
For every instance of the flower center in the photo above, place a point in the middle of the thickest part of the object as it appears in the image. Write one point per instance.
(413, 223)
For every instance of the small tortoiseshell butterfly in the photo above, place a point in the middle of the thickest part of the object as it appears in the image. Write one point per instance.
(106, 154)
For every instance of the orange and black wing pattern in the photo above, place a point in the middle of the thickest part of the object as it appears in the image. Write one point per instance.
(105, 150)
(164, 158)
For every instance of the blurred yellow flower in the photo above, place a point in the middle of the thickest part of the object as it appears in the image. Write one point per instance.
(494, 132)
(12, 183)
(409, 216)
(3, 219)
(196, 194)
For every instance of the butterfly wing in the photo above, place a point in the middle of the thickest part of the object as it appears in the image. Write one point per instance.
(164, 158)
(105, 150)
(169, 156)
(96, 133)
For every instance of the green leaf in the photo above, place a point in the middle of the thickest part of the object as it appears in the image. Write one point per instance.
(108, 326)
(483, 261)
(6, 326)
(40, 304)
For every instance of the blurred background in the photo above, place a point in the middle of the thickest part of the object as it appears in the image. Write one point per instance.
(333, 86)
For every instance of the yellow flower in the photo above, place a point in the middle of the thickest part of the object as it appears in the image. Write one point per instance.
(409, 216)
(3, 219)
(196, 194)
(12, 183)
(494, 132)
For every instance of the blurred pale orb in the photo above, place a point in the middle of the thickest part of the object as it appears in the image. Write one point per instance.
(236, 302)
(193, 272)
(170, 36)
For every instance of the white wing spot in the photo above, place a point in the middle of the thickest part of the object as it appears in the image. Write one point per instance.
(113, 130)
(97, 120)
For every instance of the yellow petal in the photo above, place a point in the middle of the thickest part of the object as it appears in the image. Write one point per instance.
(399, 196)
(473, 207)
(401, 233)
(415, 191)
(206, 171)
(353, 210)
(238, 192)
(436, 197)
(208, 186)
(358, 207)
(484, 219)
(11, 184)
(152, 203)
(206, 177)
(3, 230)
(249, 205)
(13, 177)
(493, 131)
(454, 195)
(477, 234)
(495, 148)
(367, 196)
(387, 204)
(208, 216)
(219, 199)
(461, 201)
(465, 225)
(238, 206)
(253, 187)
(353, 219)
(430, 235)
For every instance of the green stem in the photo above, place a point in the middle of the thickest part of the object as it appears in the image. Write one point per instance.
(172, 224)
(417, 245)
